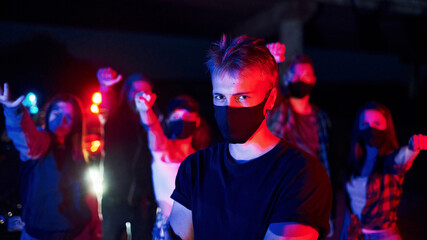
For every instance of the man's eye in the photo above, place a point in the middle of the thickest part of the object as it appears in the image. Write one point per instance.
(218, 97)
(242, 98)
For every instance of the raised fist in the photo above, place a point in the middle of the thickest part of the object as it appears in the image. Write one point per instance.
(144, 101)
(5, 97)
(418, 142)
(277, 49)
(108, 77)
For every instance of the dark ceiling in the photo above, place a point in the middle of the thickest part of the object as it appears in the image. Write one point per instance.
(386, 27)
(187, 17)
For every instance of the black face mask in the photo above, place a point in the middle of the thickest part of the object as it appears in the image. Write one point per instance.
(181, 129)
(300, 89)
(373, 137)
(237, 125)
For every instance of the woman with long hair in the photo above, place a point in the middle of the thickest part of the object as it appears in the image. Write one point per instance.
(53, 187)
(185, 132)
(375, 174)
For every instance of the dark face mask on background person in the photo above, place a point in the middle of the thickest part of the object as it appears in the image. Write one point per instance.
(238, 124)
(300, 89)
(373, 137)
(181, 129)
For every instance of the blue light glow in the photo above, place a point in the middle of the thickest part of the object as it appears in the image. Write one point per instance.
(30, 100)
(34, 109)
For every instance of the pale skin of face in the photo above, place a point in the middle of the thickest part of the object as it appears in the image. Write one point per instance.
(244, 90)
(183, 114)
(241, 91)
(304, 72)
(372, 118)
(63, 112)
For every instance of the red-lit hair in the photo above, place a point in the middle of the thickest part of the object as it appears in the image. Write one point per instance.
(239, 54)
(73, 141)
(300, 59)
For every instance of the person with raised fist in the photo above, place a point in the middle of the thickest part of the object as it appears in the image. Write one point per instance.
(55, 199)
(375, 174)
(185, 132)
(128, 195)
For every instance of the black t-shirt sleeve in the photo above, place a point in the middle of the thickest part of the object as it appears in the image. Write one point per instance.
(184, 183)
(307, 199)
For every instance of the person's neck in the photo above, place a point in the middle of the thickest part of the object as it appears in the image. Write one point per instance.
(260, 143)
(301, 105)
(371, 152)
(371, 159)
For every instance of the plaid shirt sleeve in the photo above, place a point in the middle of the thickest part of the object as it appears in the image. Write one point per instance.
(324, 124)
(276, 121)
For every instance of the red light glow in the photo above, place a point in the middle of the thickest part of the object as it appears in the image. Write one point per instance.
(94, 145)
(94, 108)
(97, 98)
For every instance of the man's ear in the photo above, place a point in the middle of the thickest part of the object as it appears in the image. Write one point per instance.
(273, 96)
(271, 100)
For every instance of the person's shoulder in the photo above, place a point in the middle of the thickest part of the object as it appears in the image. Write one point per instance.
(290, 156)
(206, 154)
(321, 115)
(319, 111)
(214, 149)
(289, 150)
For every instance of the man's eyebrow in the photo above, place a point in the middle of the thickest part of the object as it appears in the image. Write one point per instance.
(241, 93)
(234, 94)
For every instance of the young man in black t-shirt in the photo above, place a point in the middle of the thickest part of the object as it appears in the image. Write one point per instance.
(253, 185)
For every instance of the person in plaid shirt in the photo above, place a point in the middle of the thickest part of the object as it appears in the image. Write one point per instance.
(376, 170)
(294, 118)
